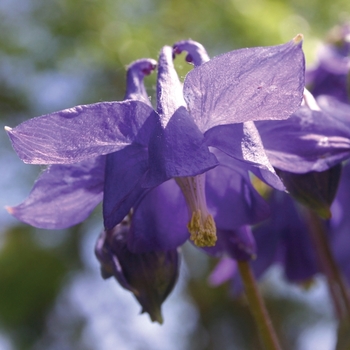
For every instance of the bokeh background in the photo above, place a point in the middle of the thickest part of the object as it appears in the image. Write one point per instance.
(55, 54)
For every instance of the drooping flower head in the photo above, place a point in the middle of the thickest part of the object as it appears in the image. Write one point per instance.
(330, 76)
(150, 276)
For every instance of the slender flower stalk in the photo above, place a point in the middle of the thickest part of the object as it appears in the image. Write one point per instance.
(258, 308)
(337, 285)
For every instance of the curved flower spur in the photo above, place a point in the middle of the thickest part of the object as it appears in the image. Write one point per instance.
(65, 194)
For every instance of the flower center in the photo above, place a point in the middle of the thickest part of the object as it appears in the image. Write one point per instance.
(202, 225)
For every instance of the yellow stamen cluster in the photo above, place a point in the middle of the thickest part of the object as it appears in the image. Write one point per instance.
(202, 225)
(203, 231)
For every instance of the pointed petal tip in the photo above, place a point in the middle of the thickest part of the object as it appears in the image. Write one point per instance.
(9, 209)
(157, 318)
(7, 129)
(298, 39)
(155, 315)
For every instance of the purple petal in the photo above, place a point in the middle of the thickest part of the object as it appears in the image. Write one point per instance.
(124, 172)
(335, 108)
(178, 150)
(248, 84)
(307, 141)
(160, 220)
(224, 271)
(74, 134)
(285, 233)
(63, 195)
(242, 142)
(232, 200)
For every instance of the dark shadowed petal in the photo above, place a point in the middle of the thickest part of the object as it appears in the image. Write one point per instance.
(63, 195)
(178, 150)
(159, 221)
(124, 172)
(284, 238)
(81, 132)
(308, 141)
(339, 224)
(242, 142)
(232, 200)
(248, 84)
(149, 276)
(238, 243)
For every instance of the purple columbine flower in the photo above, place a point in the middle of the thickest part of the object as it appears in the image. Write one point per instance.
(331, 74)
(315, 138)
(66, 194)
(147, 148)
(171, 151)
(282, 240)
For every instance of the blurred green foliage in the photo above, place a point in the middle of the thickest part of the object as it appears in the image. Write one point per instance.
(57, 53)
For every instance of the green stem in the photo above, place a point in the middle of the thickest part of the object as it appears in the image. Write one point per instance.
(257, 307)
(337, 285)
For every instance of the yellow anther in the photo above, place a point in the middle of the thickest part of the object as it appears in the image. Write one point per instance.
(202, 230)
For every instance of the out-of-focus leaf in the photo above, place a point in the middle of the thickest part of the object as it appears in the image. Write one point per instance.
(30, 278)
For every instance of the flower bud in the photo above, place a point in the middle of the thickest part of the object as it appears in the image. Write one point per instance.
(149, 276)
(315, 190)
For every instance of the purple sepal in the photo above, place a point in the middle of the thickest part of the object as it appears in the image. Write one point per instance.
(231, 198)
(159, 222)
(260, 83)
(224, 271)
(125, 171)
(336, 109)
(81, 132)
(330, 76)
(309, 140)
(242, 142)
(149, 276)
(177, 150)
(63, 195)
(284, 239)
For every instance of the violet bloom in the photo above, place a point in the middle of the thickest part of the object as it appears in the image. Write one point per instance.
(263, 83)
(331, 74)
(283, 239)
(66, 194)
(315, 138)
(150, 276)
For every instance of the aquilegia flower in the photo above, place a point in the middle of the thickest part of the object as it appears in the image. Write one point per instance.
(331, 74)
(315, 138)
(147, 148)
(178, 148)
(66, 194)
